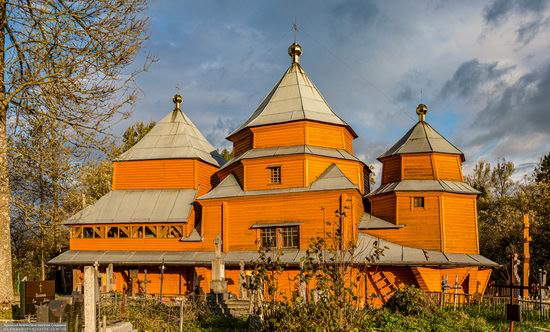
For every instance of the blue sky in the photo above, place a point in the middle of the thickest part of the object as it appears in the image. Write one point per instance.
(483, 68)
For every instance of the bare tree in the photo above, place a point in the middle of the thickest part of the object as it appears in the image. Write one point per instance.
(63, 63)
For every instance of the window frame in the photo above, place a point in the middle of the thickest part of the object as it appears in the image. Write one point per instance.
(421, 199)
(277, 170)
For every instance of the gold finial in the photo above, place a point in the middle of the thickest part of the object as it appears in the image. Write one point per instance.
(295, 50)
(421, 110)
(177, 100)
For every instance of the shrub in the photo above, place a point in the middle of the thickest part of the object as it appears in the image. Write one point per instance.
(411, 301)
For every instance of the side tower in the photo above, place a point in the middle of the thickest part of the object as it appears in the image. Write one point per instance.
(150, 212)
(423, 189)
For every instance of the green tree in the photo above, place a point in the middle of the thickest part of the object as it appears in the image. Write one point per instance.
(62, 60)
(542, 171)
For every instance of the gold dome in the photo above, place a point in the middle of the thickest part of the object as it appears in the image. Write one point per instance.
(177, 99)
(295, 50)
(421, 110)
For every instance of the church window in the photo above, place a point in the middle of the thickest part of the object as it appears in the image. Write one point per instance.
(275, 175)
(112, 232)
(289, 237)
(419, 202)
(88, 232)
(268, 237)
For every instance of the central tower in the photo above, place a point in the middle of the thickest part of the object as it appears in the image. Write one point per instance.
(292, 137)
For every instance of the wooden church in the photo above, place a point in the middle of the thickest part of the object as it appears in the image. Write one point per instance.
(175, 206)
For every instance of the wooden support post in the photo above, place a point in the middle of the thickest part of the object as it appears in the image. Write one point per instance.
(162, 268)
(526, 255)
(90, 298)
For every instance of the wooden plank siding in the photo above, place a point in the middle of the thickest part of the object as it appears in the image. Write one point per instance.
(291, 134)
(384, 206)
(422, 225)
(242, 142)
(285, 134)
(391, 169)
(164, 174)
(257, 172)
(448, 167)
(417, 167)
(460, 223)
(313, 210)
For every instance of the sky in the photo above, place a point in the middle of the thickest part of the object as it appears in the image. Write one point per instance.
(483, 68)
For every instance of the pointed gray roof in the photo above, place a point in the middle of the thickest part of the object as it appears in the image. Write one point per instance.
(422, 138)
(331, 179)
(138, 206)
(173, 137)
(294, 97)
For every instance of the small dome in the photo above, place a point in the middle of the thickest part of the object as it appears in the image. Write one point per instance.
(421, 110)
(295, 50)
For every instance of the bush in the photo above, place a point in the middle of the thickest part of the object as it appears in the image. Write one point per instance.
(411, 301)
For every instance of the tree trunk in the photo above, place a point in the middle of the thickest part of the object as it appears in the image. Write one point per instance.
(6, 282)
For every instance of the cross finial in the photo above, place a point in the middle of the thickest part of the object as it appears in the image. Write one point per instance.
(295, 28)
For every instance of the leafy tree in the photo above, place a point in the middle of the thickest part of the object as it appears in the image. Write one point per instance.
(542, 171)
(226, 154)
(62, 61)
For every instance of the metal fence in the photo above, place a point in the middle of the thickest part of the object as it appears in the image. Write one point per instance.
(530, 308)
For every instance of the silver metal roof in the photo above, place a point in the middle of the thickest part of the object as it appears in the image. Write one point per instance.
(173, 137)
(275, 224)
(368, 221)
(422, 138)
(331, 179)
(425, 185)
(393, 254)
(138, 206)
(290, 150)
(293, 98)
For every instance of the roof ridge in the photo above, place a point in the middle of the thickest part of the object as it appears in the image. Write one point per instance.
(175, 136)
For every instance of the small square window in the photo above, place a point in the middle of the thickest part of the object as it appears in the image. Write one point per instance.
(419, 202)
(274, 175)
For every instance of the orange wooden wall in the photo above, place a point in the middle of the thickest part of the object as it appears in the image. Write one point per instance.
(293, 133)
(164, 174)
(422, 228)
(312, 209)
(460, 223)
(422, 166)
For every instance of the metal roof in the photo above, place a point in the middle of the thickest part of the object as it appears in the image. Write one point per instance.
(293, 98)
(138, 206)
(420, 139)
(331, 179)
(368, 221)
(290, 150)
(395, 254)
(425, 185)
(392, 254)
(173, 137)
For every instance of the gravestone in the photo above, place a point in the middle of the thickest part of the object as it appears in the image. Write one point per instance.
(36, 293)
